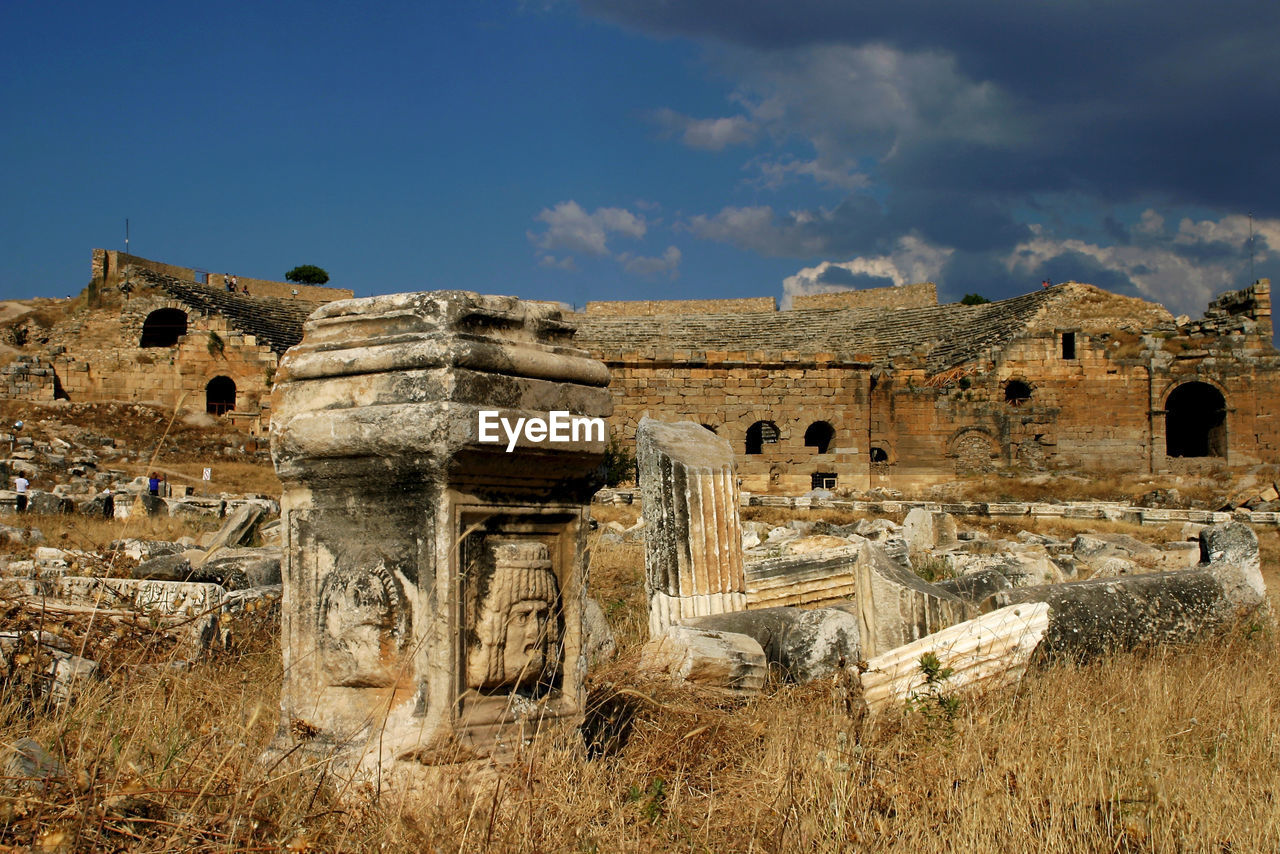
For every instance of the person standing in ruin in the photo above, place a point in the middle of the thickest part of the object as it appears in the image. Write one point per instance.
(108, 504)
(153, 484)
(20, 484)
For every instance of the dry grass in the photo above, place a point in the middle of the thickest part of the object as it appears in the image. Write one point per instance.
(1173, 750)
(1167, 752)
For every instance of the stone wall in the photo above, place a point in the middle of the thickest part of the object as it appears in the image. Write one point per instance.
(1068, 378)
(96, 357)
(730, 392)
(902, 296)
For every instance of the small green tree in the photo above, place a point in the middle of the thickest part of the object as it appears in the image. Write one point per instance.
(307, 274)
(974, 299)
(619, 463)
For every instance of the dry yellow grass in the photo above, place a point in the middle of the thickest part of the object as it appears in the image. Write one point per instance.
(1172, 750)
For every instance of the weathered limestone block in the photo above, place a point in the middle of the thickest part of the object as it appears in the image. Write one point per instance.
(983, 653)
(826, 577)
(974, 587)
(803, 644)
(726, 661)
(926, 530)
(1089, 618)
(895, 606)
(433, 572)
(238, 528)
(693, 533)
(258, 567)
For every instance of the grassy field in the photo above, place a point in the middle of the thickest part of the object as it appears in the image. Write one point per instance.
(1167, 750)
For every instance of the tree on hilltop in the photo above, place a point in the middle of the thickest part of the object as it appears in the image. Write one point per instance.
(974, 299)
(307, 274)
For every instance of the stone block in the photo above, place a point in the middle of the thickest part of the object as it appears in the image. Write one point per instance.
(802, 644)
(724, 661)
(895, 606)
(434, 581)
(821, 578)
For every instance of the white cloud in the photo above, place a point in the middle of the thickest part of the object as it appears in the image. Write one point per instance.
(1183, 270)
(913, 260)
(707, 134)
(843, 177)
(565, 263)
(572, 229)
(668, 263)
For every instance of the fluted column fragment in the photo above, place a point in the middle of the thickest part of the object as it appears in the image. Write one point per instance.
(693, 533)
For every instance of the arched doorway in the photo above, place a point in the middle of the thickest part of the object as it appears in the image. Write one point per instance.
(819, 436)
(1195, 421)
(760, 434)
(220, 396)
(163, 327)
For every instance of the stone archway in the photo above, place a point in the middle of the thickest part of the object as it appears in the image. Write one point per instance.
(1195, 421)
(220, 396)
(163, 327)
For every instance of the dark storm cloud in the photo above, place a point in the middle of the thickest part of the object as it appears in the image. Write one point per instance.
(1116, 100)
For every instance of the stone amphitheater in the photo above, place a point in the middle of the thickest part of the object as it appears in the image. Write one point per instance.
(844, 391)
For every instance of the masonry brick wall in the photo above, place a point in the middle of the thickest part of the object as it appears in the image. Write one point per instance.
(729, 392)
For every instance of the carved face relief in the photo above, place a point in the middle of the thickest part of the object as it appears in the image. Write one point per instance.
(359, 614)
(514, 624)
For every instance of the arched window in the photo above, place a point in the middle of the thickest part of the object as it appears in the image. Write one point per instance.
(879, 455)
(760, 434)
(1195, 421)
(819, 436)
(1016, 392)
(163, 327)
(220, 395)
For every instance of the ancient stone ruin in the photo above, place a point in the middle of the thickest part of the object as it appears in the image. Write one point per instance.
(434, 581)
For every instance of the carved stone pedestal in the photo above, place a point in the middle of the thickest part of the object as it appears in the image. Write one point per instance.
(433, 582)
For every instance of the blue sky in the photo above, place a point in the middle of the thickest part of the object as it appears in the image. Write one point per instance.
(633, 149)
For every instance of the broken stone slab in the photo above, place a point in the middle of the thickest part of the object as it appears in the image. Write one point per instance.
(228, 573)
(65, 671)
(28, 763)
(20, 535)
(803, 644)
(693, 533)
(895, 606)
(255, 567)
(977, 586)
(195, 508)
(987, 652)
(164, 597)
(599, 644)
(926, 530)
(49, 504)
(1114, 567)
(238, 529)
(1092, 617)
(141, 550)
(723, 661)
(822, 578)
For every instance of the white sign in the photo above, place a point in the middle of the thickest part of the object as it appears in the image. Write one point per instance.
(208, 474)
(562, 427)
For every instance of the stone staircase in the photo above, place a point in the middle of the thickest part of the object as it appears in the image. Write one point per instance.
(274, 322)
